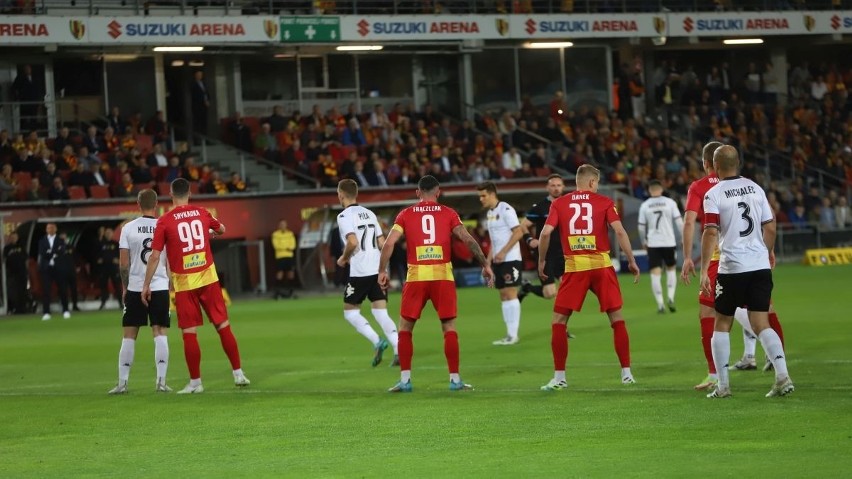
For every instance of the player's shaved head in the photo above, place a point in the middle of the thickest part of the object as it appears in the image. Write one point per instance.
(348, 188)
(586, 174)
(707, 154)
(428, 185)
(180, 188)
(726, 160)
(147, 199)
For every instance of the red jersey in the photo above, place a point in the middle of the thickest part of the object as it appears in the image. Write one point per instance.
(581, 219)
(695, 200)
(428, 229)
(184, 232)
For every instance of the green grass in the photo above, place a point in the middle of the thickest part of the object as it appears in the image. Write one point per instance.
(317, 409)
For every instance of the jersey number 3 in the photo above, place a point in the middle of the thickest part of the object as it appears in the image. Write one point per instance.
(583, 213)
(191, 234)
(747, 218)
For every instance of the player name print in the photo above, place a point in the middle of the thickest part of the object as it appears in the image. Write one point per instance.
(734, 192)
(186, 214)
(426, 209)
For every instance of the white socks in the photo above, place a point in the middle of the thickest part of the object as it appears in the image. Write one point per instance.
(657, 288)
(161, 355)
(361, 325)
(671, 283)
(454, 377)
(772, 345)
(749, 338)
(125, 358)
(512, 317)
(405, 376)
(388, 326)
(559, 375)
(721, 344)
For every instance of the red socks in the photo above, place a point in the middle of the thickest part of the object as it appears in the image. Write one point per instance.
(451, 351)
(229, 344)
(193, 355)
(707, 325)
(622, 343)
(406, 350)
(559, 345)
(776, 326)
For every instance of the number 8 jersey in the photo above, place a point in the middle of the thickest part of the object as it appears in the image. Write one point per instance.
(738, 207)
(184, 233)
(428, 229)
(362, 223)
(136, 237)
(581, 220)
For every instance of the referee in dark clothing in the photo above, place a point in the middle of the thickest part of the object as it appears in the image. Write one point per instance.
(68, 267)
(108, 266)
(50, 247)
(16, 275)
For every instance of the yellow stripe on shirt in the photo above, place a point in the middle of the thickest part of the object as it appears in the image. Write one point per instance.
(430, 272)
(586, 262)
(189, 281)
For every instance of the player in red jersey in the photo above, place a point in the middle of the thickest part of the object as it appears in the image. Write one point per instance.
(706, 309)
(184, 232)
(580, 219)
(428, 228)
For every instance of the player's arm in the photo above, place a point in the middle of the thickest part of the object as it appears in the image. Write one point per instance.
(348, 249)
(769, 232)
(528, 230)
(543, 246)
(642, 225)
(687, 234)
(124, 267)
(517, 233)
(387, 251)
(624, 243)
(709, 241)
(460, 232)
(217, 228)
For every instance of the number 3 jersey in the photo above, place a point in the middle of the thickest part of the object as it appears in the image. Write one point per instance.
(184, 233)
(136, 237)
(428, 229)
(361, 222)
(738, 207)
(581, 220)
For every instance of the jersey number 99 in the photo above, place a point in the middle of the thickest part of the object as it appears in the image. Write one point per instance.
(191, 234)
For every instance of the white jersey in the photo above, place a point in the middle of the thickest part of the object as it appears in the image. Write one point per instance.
(365, 226)
(738, 207)
(656, 218)
(502, 219)
(136, 237)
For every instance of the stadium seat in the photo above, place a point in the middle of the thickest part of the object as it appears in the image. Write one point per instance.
(144, 143)
(543, 172)
(163, 188)
(194, 187)
(506, 173)
(99, 192)
(77, 192)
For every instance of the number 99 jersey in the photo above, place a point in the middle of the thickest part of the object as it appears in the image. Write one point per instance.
(361, 222)
(184, 233)
(136, 237)
(581, 220)
(428, 229)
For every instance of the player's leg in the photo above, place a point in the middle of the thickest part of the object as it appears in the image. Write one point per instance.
(728, 297)
(125, 357)
(657, 288)
(279, 279)
(759, 292)
(46, 280)
(775, 324)
(158, 314)
(214, 305)
(604, 284)
(414, 297)
(707, 318)
(671, 277)
(353, 295)
(508, 277)
(569, 298)
(444, 300)
(379, 305)
(188, 310)
(749, 342)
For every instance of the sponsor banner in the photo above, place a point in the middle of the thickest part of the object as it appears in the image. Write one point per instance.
(32, 30)
(183, 30)
(360, 28)
(828, 256)
(734, 24)
(587, 26)
(829, 22)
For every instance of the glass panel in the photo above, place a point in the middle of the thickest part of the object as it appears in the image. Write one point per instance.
(385, 76)
(541, 75)
(341, 71)
(494, 80)
(269, 80)
(312, 72)
(586, 81)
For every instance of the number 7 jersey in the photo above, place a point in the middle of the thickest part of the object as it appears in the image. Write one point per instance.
(184, 233)
(428, 229)
(581, 220)
(362, 223)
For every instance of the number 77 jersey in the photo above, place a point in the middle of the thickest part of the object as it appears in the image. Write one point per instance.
(361, 222)
(184, 233)
(581, 220)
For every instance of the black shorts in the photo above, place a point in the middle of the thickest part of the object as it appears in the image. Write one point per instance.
(136, 314)
(359, 288)
(285, 264)
(657, 257)
(507, 274)
(751, 290)
(554, 268)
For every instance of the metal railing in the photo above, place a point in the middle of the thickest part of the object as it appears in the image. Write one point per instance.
(395, 7)
(792, 241)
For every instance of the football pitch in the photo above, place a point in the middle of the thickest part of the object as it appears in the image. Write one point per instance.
(316, 408)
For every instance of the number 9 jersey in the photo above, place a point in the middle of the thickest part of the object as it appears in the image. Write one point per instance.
(428, 229)
(184, 233)
(581, 220)
(136, 237)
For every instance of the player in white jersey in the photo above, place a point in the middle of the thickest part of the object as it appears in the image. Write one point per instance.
(656, 217)
(363, 240)
(134, 248)
(739, 220)
(505, 232)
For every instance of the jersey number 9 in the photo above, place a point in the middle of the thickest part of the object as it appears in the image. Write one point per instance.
(427, 222)
(191, 235)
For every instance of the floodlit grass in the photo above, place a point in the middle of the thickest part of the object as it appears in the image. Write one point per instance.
(317, 409)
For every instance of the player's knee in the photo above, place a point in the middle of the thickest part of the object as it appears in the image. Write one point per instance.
(224, 324)
(192, 330)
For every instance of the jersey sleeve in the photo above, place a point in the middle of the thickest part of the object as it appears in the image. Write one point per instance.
(456, 221)
(159, 242)
(675, 209)
(346, 225)
(693, 201)
(711, 210)
(379, 231)
(510, 216)
(213, 223)
(766, 216)
(399, 222)
(611, 212)
(643, 209)
(122, 238)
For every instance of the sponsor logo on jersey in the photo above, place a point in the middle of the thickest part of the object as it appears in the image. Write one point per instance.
(582, 243)
(430, 253)
(195, 260)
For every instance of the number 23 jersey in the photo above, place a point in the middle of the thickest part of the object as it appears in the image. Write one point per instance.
(184, 233)
(428, 229)
(136, 237)
(581, 220)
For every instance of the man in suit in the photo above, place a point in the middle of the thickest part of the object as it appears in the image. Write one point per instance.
(200, 103)
(50, 248)
(68, 267)
(16, 275)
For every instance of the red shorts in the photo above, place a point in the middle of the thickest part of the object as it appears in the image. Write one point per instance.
(442, 293)
(709, 300)
(602, 282)
(189, 303)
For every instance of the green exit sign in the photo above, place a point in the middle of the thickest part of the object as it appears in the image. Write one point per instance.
(310, 29)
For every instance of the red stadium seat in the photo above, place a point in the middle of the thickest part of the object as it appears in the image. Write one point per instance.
(506, 173)
(99, 192)
(77, 192)
(144, 143)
